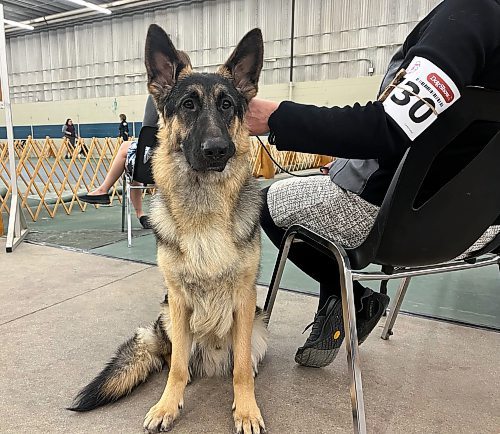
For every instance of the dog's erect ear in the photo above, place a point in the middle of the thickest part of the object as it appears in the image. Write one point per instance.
(163, 62)
(245, 64)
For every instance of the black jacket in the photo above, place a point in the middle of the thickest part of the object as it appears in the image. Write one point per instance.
(123, 130)
(461, 37)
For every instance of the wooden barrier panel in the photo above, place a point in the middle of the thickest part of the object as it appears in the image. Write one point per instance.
(52, 175)
(262, 164)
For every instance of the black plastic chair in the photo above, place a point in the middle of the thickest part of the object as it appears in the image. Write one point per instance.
(142, 173)
(408, 239)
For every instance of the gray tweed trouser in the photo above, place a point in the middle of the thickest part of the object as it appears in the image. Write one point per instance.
(339, 215)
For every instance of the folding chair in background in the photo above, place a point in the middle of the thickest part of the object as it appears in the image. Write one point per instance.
(142, 173)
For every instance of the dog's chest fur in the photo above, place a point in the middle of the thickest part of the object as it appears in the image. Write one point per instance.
(208, 239)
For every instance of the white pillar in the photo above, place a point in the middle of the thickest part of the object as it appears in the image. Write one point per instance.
(17, 225)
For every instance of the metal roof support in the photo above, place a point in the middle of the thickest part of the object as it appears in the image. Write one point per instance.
(292, 38)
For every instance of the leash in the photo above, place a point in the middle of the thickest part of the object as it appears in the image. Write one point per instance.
(280, 167)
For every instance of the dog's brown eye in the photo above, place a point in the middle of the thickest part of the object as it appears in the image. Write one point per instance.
(226, 104)
(188, 104)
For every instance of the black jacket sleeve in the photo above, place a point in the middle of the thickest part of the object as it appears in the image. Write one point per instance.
(361, 132)
(461, 38)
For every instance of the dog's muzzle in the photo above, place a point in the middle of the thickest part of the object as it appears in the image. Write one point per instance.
(216, 152)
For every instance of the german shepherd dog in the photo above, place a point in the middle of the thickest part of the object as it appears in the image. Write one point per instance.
(206, 221)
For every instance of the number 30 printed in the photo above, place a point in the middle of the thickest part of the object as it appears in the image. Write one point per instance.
(406, 95)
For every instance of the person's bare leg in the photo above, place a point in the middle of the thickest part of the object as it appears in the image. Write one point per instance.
(115, 171)
(136, 198)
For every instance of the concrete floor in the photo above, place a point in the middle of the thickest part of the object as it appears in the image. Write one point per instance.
(64, 313)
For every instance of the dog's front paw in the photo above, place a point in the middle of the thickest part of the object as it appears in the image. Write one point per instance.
(161, 417)
(248, 420)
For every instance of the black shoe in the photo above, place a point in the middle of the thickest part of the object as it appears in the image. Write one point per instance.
(327, 335)
(145, 222)
(96, 199)
(369, 307)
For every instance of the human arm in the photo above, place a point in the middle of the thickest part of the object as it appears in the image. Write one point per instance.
(459, 39)
(307, 128)
(361, 132)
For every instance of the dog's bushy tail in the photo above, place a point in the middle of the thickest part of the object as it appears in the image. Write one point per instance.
(134, 361)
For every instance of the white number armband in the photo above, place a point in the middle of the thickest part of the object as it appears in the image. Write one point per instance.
(425, 92)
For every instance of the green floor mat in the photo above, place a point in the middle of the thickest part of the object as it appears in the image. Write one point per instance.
(144, 250)
(471, 296)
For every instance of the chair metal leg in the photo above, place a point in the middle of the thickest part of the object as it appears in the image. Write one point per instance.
(277, 273)
(394, 309)
(349, 317)
(349, 314)
(129, 217)
(124, 198)
(383, 290)
(383, 284)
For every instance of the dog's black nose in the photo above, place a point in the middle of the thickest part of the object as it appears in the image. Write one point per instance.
(215, 149)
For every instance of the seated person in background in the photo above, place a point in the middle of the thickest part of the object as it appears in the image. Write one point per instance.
(456, 45)
(125, 161)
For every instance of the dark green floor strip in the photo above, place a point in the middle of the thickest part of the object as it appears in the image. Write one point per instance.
(471, 296)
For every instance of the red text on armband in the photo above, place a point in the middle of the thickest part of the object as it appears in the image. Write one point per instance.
(441, 86)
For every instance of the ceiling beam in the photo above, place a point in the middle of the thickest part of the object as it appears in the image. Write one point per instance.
(76, 16)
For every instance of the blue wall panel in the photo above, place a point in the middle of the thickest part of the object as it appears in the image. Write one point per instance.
(99, 130)
(21, 131)
(109, 129)
(41, 131)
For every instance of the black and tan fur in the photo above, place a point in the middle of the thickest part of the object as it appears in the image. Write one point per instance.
(206, 220)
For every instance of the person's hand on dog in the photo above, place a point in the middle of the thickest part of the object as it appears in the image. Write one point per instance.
(257, 116)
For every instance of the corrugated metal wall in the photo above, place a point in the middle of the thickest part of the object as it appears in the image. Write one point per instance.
(334, 39)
